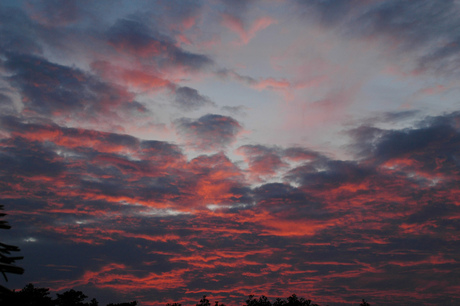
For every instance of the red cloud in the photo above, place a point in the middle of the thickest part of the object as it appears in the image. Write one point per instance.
(236, 25)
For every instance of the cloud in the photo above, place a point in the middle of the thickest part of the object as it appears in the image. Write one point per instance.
(132, 216)
(139, 78)
(188, 99)
(334, 172)
(54, 13)
(268, 162)
(286, 202)
(23, 158)
(216, 181)
(209, 132)
(428, 146)
(236, 110)
(6, 105)
(260, 83)
(114, 276)
(236, 25)
(118, 168)
(135, 38)
(17, 32)
(420, 27)
(349, 225)
(262, 161)
(52, 89)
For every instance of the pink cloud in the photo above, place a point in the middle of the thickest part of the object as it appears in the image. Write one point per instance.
(118, 277)
(134, 77)
(246, 34)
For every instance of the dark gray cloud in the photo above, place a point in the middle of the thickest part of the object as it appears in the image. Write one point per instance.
(266, 161)
(238, 8)
(288, 203)
(56, 13)
(6, 105)
(163, 149)
(236, 110)
(19, 157)
(209, 132)
(188, 99)
(350, 226)
(433, 144)
(301, 154)
(17, 32)
(144, 170)
(263, 160)
(51, 89)
(329, 174)
(136, 38)
(228, 73)
(424, 27)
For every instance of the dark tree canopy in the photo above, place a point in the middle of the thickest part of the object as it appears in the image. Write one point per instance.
(204, 302)
(364, 303)
(6, 260)
(133, 303)
(33, 296)
(30, 296)
(293, 300)
(73, 298)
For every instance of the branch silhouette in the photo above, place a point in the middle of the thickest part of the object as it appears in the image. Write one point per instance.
(7, 262)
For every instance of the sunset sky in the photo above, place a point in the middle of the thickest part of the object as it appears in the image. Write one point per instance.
(160, 151)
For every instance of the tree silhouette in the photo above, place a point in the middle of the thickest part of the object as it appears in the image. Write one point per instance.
(293, 300)
(279, 302)
(364, 303)
(263, 301)
(134, 303)
(74, 298)
(7, 261)
(28, 296)
(204, 302)
(32, 296)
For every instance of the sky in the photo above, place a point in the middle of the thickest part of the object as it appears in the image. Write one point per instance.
(160, 151)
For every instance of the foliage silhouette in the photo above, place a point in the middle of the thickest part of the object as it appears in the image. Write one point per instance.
(6, 261)
(32, 296)
(263, 301)
(364, 303)
(293, 300)
(204, 302)
(29, 295)
(133, 303)
(73, 298)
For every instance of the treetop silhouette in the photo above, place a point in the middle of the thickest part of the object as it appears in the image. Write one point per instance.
(6, 260)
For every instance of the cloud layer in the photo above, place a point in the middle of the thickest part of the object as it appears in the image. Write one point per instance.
(333, 173)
